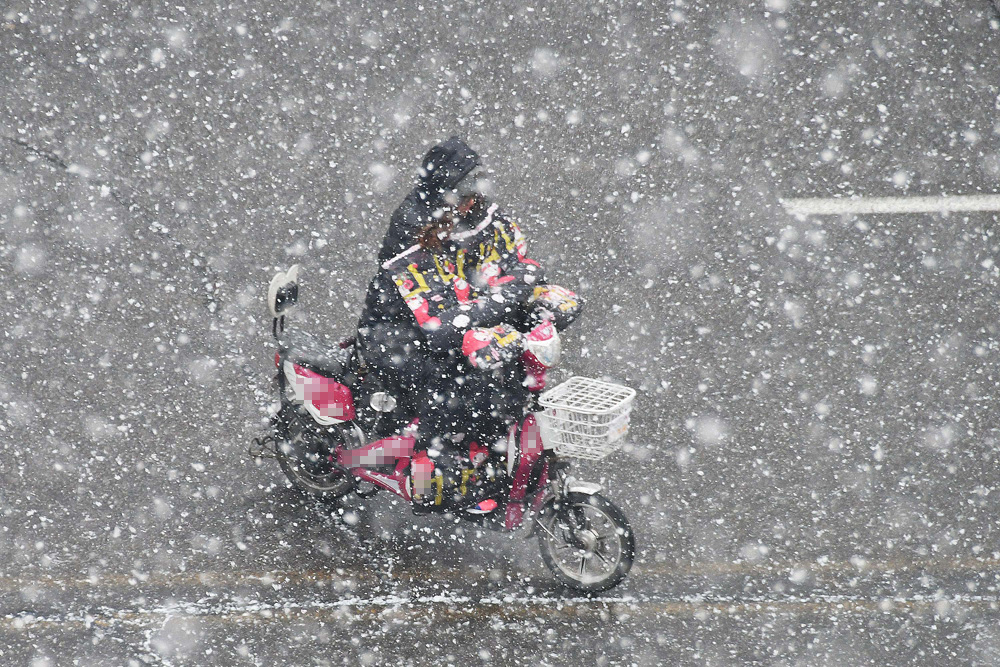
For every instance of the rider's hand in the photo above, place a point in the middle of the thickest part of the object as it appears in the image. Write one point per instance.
(489, 349)
(555, 304)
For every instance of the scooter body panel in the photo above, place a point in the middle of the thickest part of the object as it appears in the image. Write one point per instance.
(328, 402)
(379, 453)
(397, 449)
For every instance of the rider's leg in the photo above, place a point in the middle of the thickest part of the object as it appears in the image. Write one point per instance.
(453, 407)
(458, 407)
(435, 403)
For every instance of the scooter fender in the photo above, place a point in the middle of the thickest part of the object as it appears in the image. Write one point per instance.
(548, 495)
(588, 488)
(571, 485)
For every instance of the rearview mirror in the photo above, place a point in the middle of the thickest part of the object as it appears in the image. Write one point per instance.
(283, 292)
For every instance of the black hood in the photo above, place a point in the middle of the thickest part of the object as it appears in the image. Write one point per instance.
(446, 164)
(442, 168)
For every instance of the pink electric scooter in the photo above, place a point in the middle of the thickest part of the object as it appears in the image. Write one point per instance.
(320, 444)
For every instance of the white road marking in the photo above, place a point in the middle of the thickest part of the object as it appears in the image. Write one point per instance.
(862, 205)
(493, 607)
(350, 577)
(343, 601)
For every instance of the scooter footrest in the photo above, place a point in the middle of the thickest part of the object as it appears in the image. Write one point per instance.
(483, 507)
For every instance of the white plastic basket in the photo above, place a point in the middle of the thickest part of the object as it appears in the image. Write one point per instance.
(585, 418)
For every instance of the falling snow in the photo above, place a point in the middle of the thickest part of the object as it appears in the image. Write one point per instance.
(811, 465)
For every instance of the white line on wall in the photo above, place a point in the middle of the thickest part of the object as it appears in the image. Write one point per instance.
(859, 205)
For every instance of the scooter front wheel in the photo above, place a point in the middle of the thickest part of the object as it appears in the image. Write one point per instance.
(306, 457)
(586, 542)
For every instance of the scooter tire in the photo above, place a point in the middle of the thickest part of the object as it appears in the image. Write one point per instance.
(613, 545)
(299, 441)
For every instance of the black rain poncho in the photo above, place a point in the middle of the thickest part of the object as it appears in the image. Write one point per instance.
(421, 302)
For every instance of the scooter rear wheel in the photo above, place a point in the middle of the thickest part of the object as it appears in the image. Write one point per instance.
(586, 542)
(305, 455)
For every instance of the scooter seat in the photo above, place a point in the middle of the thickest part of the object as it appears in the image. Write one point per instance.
(318, 353)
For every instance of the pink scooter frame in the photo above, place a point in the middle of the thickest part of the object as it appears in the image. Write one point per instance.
(399, 449)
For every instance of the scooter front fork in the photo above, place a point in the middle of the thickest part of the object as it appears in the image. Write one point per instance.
(560, 485)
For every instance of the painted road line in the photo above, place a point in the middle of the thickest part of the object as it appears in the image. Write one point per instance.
(862, 205)
(351, 577)
(509, 608)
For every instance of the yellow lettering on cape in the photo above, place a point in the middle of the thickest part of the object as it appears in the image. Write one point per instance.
(506, 340)
(487, 255)
(508, 241)
(446, 275)
(419, 277)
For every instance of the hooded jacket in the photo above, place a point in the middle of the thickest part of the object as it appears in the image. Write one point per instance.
(421, 302)
(442, 169)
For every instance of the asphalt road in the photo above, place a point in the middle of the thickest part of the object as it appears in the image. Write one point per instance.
(812, 466)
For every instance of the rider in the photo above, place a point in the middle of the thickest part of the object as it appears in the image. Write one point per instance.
(444, 316)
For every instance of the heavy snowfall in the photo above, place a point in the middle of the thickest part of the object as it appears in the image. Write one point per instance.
(781, 214)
